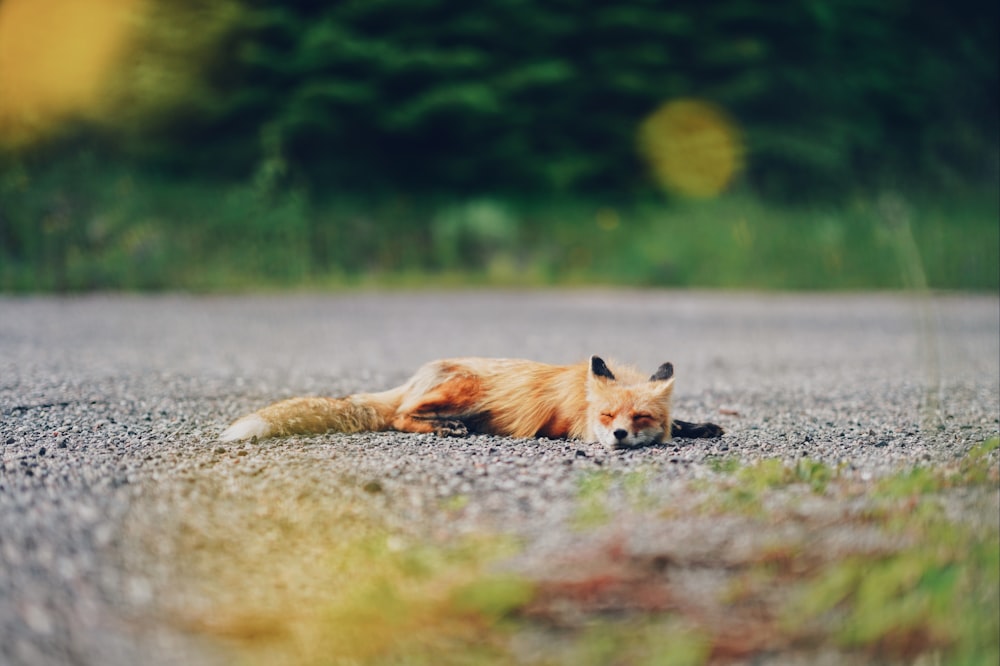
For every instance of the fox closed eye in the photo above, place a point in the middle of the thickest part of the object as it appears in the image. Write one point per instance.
(643, 420)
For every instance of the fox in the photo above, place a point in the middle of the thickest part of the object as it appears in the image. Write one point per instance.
(620, 408)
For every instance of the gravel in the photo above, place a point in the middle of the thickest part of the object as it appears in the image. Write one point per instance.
(109, 408)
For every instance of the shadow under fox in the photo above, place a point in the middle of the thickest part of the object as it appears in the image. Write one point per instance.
(620, 408)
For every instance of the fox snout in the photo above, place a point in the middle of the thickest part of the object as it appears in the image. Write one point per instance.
(622, 435)
(624, 439)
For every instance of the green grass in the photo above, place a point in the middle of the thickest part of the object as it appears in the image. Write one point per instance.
(742, 489)
(938, 594)
(82, 225)
(594, 489)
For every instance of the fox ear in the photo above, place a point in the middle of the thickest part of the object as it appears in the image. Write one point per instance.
(663, 373)
(599, 369)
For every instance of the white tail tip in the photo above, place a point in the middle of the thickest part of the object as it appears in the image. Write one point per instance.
(247, 427)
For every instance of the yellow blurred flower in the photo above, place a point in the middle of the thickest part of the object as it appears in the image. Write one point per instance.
(55, 57)
(692, 147)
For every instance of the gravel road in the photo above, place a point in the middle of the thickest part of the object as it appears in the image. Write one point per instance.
(109, 407)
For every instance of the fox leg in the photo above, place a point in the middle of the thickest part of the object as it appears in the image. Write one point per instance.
(438, 425)
(445, 410)
(695, 430)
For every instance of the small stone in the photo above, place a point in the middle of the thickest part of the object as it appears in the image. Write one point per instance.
(37, 619)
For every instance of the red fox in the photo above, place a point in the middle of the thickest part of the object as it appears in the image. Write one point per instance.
(509, 397)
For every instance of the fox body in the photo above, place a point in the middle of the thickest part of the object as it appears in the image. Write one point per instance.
(511, 397)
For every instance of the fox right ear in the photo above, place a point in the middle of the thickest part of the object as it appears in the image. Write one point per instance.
(599, 368)
(663, 373)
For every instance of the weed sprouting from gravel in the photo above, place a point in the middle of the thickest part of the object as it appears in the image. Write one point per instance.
(722, 465)
(592, 500)
(594, 490)
(743, 489)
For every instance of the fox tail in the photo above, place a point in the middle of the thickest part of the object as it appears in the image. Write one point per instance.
(303, 416)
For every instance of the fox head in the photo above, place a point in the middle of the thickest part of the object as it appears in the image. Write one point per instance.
(624, 413)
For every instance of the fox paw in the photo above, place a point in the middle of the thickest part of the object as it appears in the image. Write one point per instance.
(710, 430)
(696, 430)
(450, 428)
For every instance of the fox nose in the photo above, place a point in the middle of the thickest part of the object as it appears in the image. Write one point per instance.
(620, 434)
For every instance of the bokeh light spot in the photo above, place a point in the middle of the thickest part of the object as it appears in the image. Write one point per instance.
(692, 147)
(55, 57)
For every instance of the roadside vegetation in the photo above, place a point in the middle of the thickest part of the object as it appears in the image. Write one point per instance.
(281, 145)
(80, 227)
(789, 561)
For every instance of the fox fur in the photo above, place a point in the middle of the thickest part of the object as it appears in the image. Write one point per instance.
(620, 408)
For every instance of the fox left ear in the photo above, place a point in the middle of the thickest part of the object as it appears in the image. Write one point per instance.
(663, 373)
(599, 368)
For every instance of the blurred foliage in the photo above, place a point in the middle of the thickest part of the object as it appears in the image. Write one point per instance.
(939, 593)
(436, 94)
(907, 570)
(541, 96)
(249, 143)
(85, 225)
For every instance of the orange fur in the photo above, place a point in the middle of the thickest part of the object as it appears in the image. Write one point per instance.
(618, 407)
